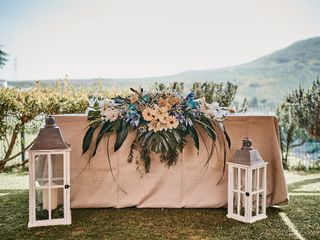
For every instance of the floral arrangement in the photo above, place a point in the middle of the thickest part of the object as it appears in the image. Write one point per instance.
(162, 121)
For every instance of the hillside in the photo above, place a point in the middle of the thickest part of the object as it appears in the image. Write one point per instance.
(269, 77)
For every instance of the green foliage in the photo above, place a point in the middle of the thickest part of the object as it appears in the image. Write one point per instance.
(305, 108)
(160, 223)
(122, 133)
(19, 109)
(173, 87)
(243, 107)
(299, 118)
(162, 121)
(290, 134)
(215, 92)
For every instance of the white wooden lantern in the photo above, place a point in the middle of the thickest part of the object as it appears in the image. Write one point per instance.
(49, 178)
(247, 173)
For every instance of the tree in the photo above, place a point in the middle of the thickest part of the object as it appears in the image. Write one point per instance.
(175, 87)
(3, 58)
(305, 108)
(216, 92)
(291, 135)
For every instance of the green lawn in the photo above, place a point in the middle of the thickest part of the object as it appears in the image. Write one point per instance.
(132, 223)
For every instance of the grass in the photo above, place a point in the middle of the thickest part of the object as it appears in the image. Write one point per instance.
(304, 212)
(133, 223)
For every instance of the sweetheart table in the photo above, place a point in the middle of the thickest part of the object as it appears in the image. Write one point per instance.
(188, 184)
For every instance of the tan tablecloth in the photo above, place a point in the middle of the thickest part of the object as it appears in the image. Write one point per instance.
(187, 184)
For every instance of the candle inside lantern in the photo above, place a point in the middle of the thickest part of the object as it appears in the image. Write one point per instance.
(54, 197)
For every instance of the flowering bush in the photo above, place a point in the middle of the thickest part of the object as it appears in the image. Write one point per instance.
(17, 109)
(162, 121)
(21, 109)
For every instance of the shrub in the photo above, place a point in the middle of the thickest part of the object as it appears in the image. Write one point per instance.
(305, 108)
(216, 92)
(19, 108)
(290, 134)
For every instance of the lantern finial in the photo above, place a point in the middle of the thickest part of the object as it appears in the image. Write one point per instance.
(247, 155)
(247, 143)
(50, 137)
(50, 122)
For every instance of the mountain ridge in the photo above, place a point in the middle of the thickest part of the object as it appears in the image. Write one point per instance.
(269, 77)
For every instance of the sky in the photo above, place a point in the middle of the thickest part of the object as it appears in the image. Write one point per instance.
(142, 38)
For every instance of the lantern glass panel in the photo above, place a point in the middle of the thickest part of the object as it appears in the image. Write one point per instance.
(261, 178)
(57, 210)
(254, 180)
(260, 203)
(57, 169)
(242, 205)
(254, 205)
(40, 211)
(243, 179)
(235, 202)
(41, 169)
(235, 178)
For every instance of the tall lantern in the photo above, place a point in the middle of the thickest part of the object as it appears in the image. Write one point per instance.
(247, 173)
(49, 178)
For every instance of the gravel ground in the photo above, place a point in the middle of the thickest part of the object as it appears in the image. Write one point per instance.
(13, 181)
(312, 187)
(295, 176)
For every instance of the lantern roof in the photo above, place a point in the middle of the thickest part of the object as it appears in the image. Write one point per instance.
(50, 137)
(247, 155)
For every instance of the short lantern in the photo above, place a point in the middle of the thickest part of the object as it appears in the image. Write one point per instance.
(49, 178)
(247, 173)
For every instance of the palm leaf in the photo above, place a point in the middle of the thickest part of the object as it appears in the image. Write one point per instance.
(194, 135)
(145, 137)
(152, 141)
(109, 162)
(209, 130)
(86, 142)
(122, 133)
(106, 128)
(227, 136)
(169, 139)
(165, 143)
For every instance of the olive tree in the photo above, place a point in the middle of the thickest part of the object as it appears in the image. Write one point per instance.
(291, 135)
(216, 92)
(305, 108)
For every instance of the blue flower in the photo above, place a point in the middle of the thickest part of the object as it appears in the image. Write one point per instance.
(132, 107)
(191, 103)
(179, 117)
(195, 113)
(190, 95)
(146, 98)
(133, 118)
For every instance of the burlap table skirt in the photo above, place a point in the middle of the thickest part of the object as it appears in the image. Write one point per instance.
(188, 184)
